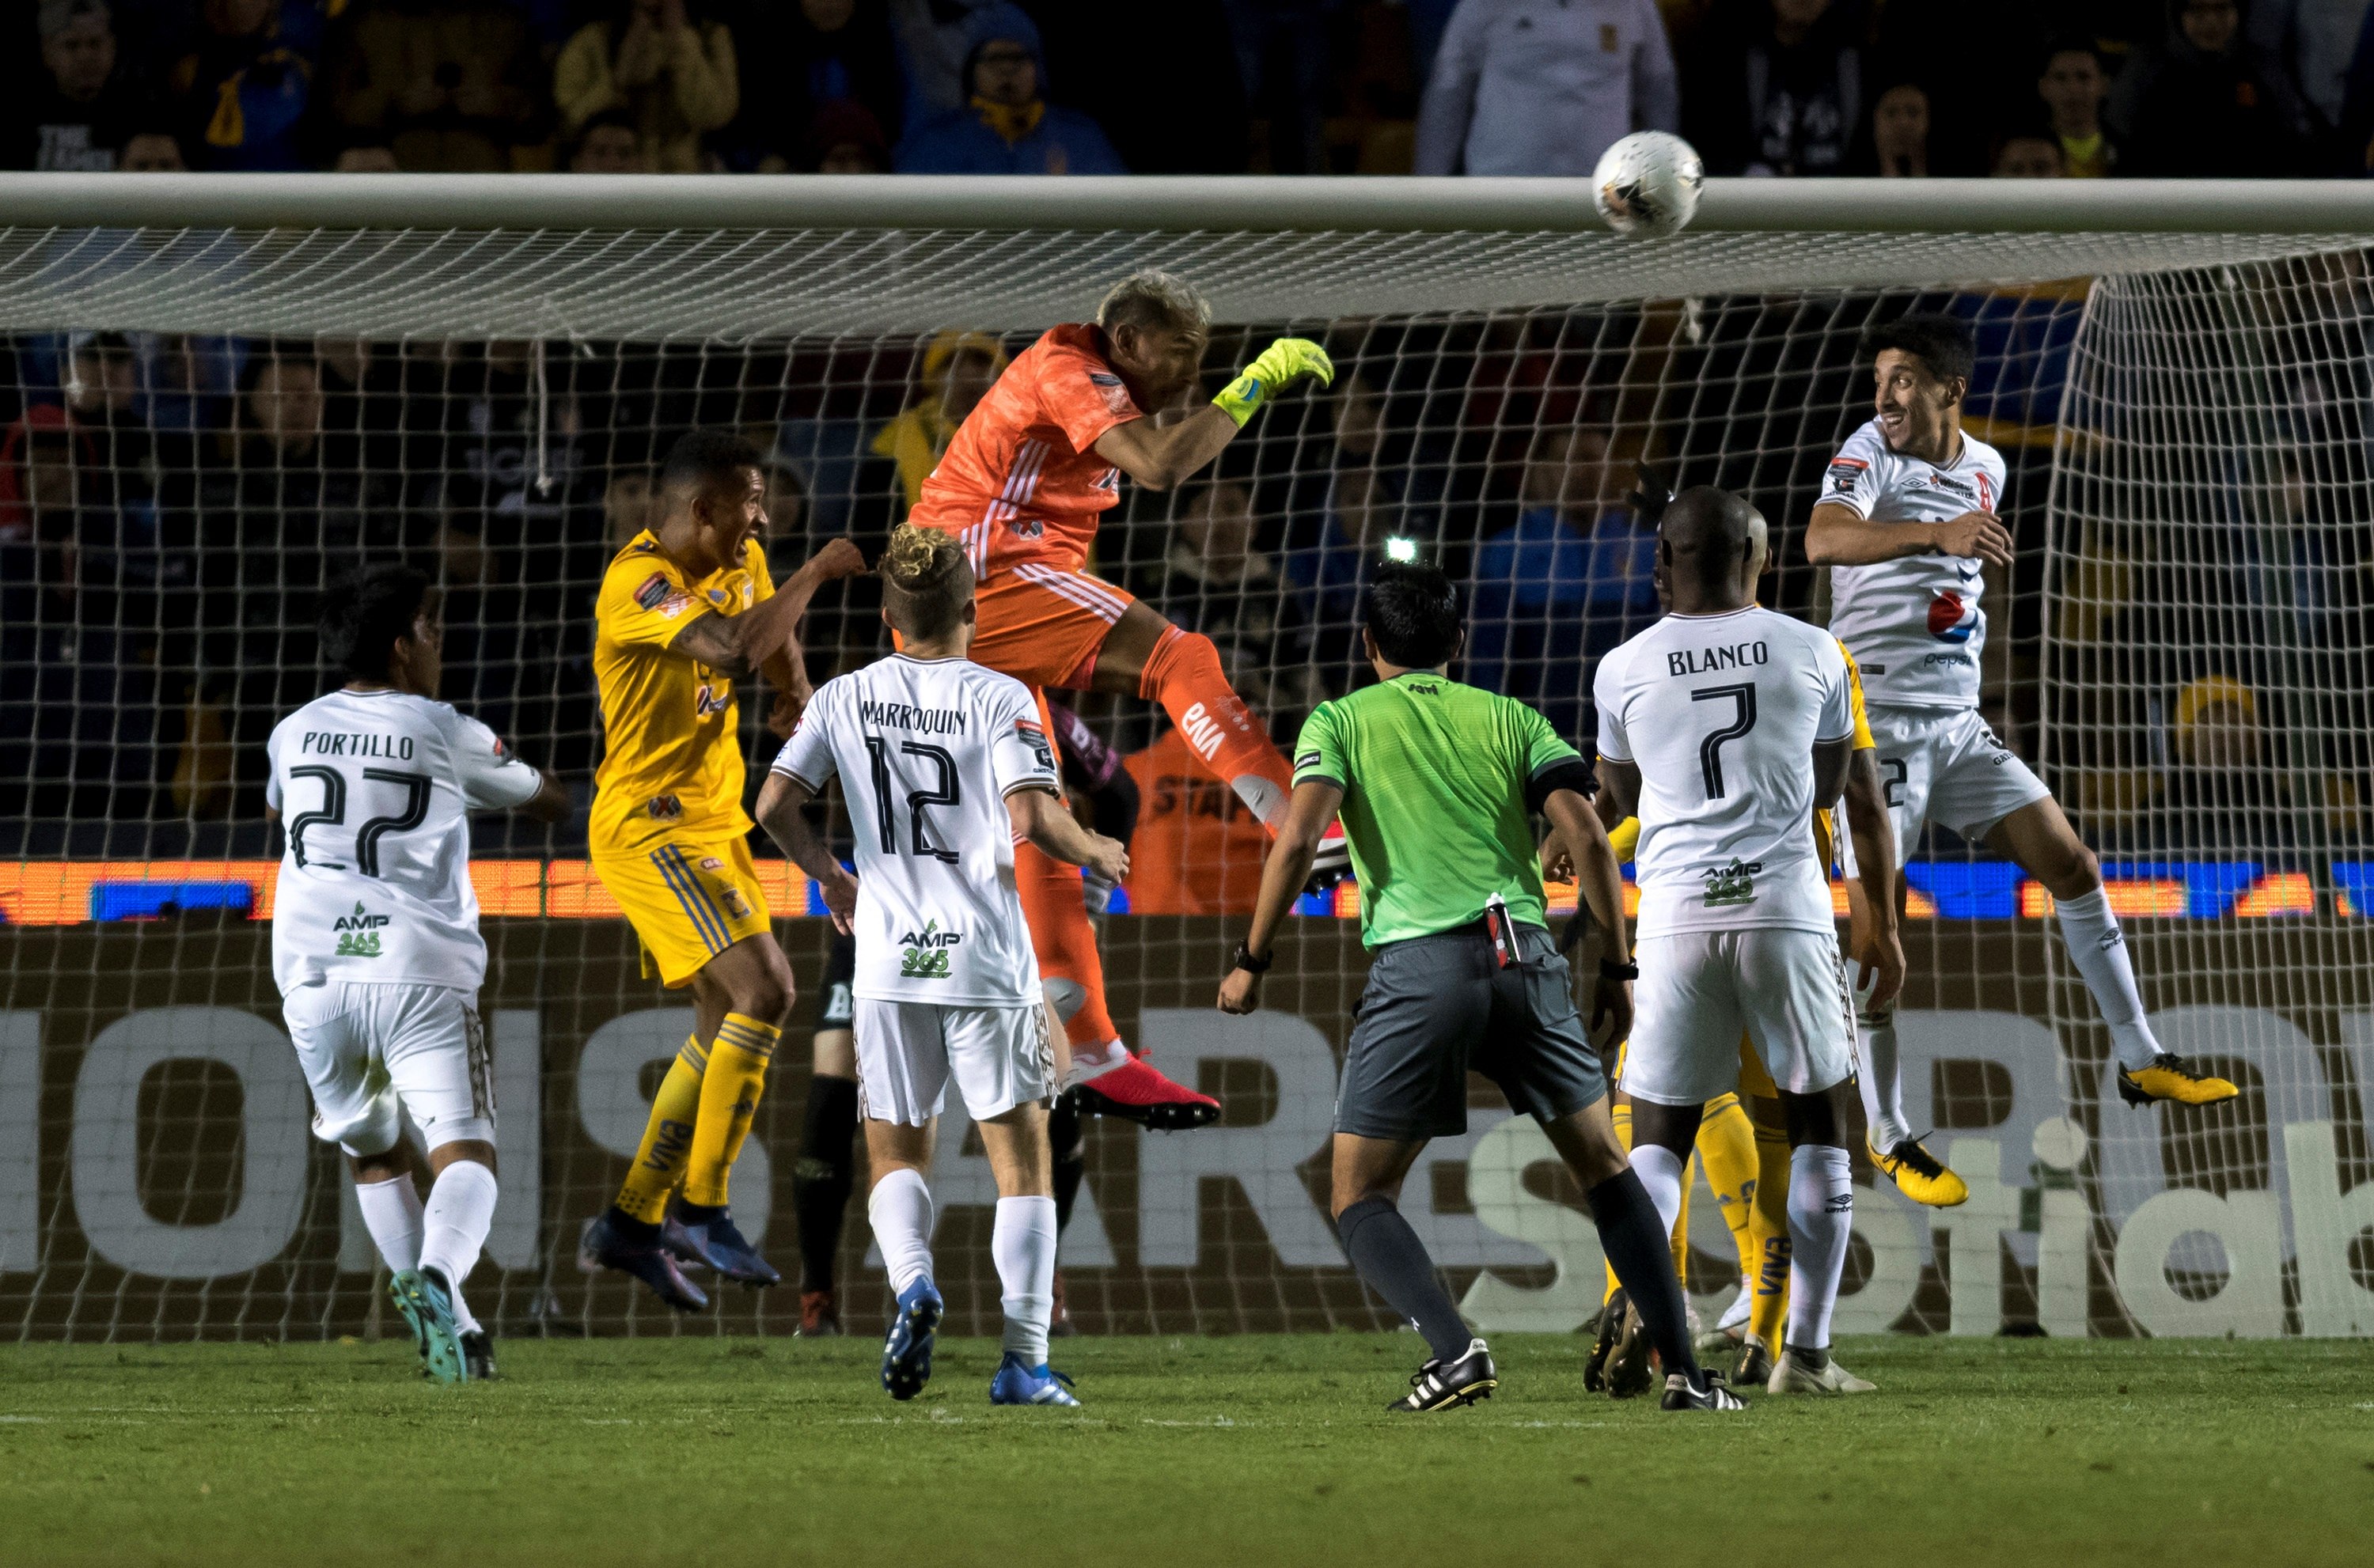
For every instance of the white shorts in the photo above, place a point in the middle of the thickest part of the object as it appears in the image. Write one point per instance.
(1947, 768)
(374, 1054)
(1698, 989)
(906, 1052)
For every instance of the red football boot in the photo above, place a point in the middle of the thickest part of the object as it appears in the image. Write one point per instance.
(1135, 1090)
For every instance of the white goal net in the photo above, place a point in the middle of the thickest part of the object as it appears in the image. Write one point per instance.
(219, 395)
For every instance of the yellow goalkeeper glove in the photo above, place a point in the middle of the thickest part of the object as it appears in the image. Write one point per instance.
(1279, 364)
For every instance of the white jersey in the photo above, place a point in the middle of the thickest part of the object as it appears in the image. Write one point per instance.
(926, 750)
(374, 790)
(1720, 714)
(1913, 624)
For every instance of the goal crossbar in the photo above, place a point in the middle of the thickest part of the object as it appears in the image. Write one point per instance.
(735, 259)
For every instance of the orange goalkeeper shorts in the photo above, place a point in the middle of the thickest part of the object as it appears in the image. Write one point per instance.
(1044, 625)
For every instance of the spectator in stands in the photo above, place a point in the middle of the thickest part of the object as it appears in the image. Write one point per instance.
(1212, 579)
(2074, 87)
(1782, 93)
(2028, 155)
(1900, 133)
(627, 506)
(934, 39)
(153, 152)
(1282, 62)
(1569, 580)
(844, 138)
(2216, 107)
(247, 87)
(80, 111)
(2313, 43)
(676, 76)
(2355, 136)
(1008, 128)
(1524, 88)
(958, 369)
(818, 55)
(2221, 798)
(103, 399)
(609, 143)
(448, 86)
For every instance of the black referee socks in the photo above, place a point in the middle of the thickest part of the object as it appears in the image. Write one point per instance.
(1393, 1263)
(1634, 1239)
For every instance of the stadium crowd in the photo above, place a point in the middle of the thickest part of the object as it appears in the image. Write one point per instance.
(2243, 88)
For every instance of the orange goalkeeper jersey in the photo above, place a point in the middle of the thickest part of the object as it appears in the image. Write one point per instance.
(1022, 482)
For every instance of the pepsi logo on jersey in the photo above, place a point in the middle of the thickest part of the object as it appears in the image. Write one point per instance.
(1950, 619)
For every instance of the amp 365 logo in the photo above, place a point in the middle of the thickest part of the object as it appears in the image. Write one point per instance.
(926, 954)
(358, 934)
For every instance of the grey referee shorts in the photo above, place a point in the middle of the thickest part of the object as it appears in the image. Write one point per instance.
(1437, 1006)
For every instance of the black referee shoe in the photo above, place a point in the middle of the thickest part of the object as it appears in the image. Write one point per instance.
(1708, 1393)
(1446, 1385)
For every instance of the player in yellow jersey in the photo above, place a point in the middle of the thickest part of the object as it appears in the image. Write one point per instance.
(1742, 1142)
(685, 609)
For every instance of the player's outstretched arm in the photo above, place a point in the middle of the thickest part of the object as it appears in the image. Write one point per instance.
(1040, 816)
(739, 645)
(782, 807)
(1840, 536)
(551, 801)
(1308, 812)
(1160, 459)
(1600, 879)
(1880, 965)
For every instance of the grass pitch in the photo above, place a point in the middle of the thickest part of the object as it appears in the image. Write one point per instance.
(1254, 1450)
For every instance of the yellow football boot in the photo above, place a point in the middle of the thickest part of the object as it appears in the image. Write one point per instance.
(1918, 1175)
(2170, 1078)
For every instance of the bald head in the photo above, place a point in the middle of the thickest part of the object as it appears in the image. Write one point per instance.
(1711, 550)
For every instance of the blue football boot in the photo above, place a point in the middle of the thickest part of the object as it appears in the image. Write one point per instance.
(426, 1302)
(907, 1349)
(709, 1238)
(602, 1245)
(1016, 1384)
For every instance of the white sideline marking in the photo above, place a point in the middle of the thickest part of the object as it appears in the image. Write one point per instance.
(22, 1421)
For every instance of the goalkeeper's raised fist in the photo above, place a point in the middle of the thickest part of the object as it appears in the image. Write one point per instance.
(1280, 364)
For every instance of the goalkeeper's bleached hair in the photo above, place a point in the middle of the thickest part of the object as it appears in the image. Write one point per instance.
(927, 582)
(1153, 298)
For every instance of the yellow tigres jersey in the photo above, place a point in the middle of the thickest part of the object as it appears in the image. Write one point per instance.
(1625, 837)
(672, 759)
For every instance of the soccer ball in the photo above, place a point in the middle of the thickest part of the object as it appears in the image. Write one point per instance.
(1649, 184)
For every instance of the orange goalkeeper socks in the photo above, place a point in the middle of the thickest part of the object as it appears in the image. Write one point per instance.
(1057, 913)
(1183, 675)
(728, 1096)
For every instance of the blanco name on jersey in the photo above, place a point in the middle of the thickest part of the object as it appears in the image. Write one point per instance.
(926, 750)
(1720, 714)
(1913, 624)
(374, 790)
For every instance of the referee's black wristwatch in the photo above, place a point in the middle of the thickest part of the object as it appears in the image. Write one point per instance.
(1243, 959)
(1627, 970)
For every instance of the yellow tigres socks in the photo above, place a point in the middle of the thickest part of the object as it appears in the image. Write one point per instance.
(1620, 1114)
(1768, 1231)
(729, 1094)
(1726, 1148)
(667, 1137)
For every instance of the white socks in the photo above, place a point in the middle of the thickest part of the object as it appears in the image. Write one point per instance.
(1023, 1244)
(1880, 1081)
(453, 1227)
(1661, 1172)
(392, 1214)
(899, 1209)
(1821, 1217)
(2100, 950)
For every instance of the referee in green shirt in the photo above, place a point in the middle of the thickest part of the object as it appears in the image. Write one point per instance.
(1435, 782)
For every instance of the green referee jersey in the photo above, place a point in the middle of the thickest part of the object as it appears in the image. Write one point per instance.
(1434, 775)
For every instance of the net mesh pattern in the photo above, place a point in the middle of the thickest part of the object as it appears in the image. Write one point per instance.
(206, 427)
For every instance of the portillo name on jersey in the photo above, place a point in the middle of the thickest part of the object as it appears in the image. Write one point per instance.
(319, 744)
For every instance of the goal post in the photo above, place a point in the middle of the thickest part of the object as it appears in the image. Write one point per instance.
(223, 390)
